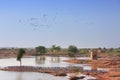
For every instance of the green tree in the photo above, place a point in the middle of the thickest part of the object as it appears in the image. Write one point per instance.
(20, 54)
(72, 51)
(55, 49)
(40, 50)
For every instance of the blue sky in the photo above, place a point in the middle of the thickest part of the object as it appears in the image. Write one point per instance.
(83, 23)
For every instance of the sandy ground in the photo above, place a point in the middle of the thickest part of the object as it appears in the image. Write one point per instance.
(112, 64)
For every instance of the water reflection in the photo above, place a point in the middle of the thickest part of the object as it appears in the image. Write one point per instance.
(55, 59)
(40, 59)
(5, 75)
(19, 76)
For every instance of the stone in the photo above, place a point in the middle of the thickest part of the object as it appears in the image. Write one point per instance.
(76, 78)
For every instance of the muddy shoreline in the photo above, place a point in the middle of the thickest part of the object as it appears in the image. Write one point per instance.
(113, 64)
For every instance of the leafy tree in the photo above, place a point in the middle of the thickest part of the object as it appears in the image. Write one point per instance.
(55, 48)
(20, 54)
(40, 50)
(72, 51)
(58, 48)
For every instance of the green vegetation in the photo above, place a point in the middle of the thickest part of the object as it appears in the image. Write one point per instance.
(84, 52)
(20, 55)
(55, 49)
(75, 69)
(72, 51)
(40, 50)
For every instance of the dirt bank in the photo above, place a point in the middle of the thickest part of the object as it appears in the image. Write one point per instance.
(112, 64)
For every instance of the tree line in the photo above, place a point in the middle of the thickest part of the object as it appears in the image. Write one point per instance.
(71, 51)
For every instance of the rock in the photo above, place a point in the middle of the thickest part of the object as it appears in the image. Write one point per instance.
(60, 74)
(76, 78)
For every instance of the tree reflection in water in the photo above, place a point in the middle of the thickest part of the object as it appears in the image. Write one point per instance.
(55, 59)
(19, 76)
(40, 59)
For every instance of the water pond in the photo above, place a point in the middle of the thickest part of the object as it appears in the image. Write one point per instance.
(43, 61)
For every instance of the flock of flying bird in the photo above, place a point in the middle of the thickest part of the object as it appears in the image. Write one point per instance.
(42, 21)
(46, 21)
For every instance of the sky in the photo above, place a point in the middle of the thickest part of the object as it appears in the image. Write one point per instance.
(83, 23)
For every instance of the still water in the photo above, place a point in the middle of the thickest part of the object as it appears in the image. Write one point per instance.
(35, 61)
(43, 61)
(4, 75)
